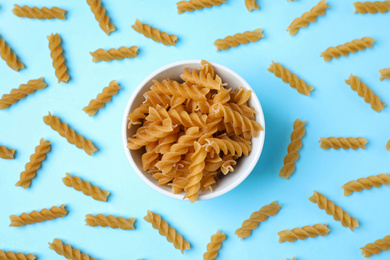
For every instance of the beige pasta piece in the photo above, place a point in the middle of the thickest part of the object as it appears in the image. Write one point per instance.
(19, 93)
(65, 131)
(10, 57)
(7, 153)
(85, 186)
(308, 17)
(388, 145)
(366, 183)
(207, 68)
(291, 78)
(109, 221)
(342, 142)
(38, 217)
(114, 54)
(293, 149)
(346, 48)
(239, 38)
(372, 7)
(385, 74)
(303, 233)
(192, 5)
(102, 98)
(183, 90)
(214, 245)
(100, 16)
(67, 251)
(9, 255)
(376, 247)
(334, 210)
(251, 4)
(34, 164)
(202, 80)
(39, 13)
(57, 57)
(294, 256)
(154, 33)
(256, 217)
(365, 92)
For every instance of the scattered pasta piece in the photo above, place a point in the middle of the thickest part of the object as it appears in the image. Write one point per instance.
(365, 92)
(67, 251)
(372, 7)
(388, 145)
(376, 247)
(251, 4)
(385, 74)
(308, 17)
(57, 57)
(65, 131)
(154, 33)
(114, 54)
(239, 38)
(100, 16)
(192, 5)
(342, 142)
(39, 13)
(6, 153)
(38, 217)
(9, 57)
(303, 233)
(34, 164)
(334, 210)
(256, 217)
(346, 48)
(109, 221)
(214, 245)
(89, 190)
(9, 255)
(366, 183)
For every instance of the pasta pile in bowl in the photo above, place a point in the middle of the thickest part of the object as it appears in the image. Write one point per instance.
(193, 130)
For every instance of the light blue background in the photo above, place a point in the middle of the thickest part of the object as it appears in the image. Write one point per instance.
(333, 109)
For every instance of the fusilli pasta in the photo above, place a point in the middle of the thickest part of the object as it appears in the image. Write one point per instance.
(366, 183)
(114, 54)
(6, 153)
(214, 245)
(385, 74)
(100, 16)
(202, 79)
(154, 33)
(57, 57)
(39, 13)
(38, 217)
(90, 190)
(303, 233)
(342, 142)
(109, 221)
(239, 38)
(251, 4)
(346, 48)
(9, 255)
(68, 251)
(376, 247)
(372, 7)
(191, 5)
(10, 57)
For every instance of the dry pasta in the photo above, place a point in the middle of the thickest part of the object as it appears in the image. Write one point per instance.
(57, 57)
(385, 74)
(388, 145)
(239, 38)
(9, 255)
(154, 33)
(100, 16)
(251, 4)
(7, 153)
(10, 57)
(342, 142)
(372, 7)
(114, 54)
(346, 48)
(39, 13)
(214, 245)
(109, 221)
(68, 251)
(38, 217)
(294, 256)
(192, 5)
(202, 80)
(303, 233)
(85, 186)
(376, 247)
(366, 183)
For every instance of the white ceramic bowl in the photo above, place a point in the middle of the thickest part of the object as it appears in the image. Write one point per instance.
(245, 164)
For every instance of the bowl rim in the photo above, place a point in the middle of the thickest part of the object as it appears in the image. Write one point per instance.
(251, 164)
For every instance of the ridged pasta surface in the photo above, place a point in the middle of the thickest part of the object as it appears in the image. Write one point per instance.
(376, 247)
(239, 38)
(109, 221)
(100, 16)
(346, 48)
(372, 7)
(214, 245)
(154, 33)
(57, 57)
(114, 54)
(9, 255)
(342, 142)
(38, 217)
(366, 183)
(68, 251)
(303, 233)
(85, 186)
(102, 98)
(10, 57)
(39, 13)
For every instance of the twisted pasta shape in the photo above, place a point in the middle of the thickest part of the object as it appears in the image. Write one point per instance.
(293, 149)
(19, 93)
(138, 114)
(100, 16)
(169, 232)
(342, 142)
(366, 183)
(207, 68)
(110, 221)
(334, 210)
(102, 98)
(214, 245)
(65, 131)
(9, 57)
(57, 57)
(39, 13)
(154, 33)
(346, 48)
(291, 78)
(365, 92)
(376, 247)
(9, 255)
(202, 79)
(388, 145)
(385, 74)
(308, 17)
(6, 153)
(85, 186)
(372, 7)
(303, 233)
(251, 4)
(38, 217)
(114, 54)
(34, 164)
(67, 251)
(182, 117)
(191, 5)
(227, 145)
(183, 90)
(239, 38)
(256, 217)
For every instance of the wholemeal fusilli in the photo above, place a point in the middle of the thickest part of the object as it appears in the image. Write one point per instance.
(109, 221)
(9, 255)
(376, 247)
(100, 16)
(251, 4)
(68, 251)
(366, 183)
(346, 48)
(202, 80)
(372, 7)
(114, 54)
(303, 233)
(214, 245)
(239, 38)
(38, 217)
(154, 33)
(7, 153)
(342, 142)
(385, 74)
(9, 57)
(57, 57)
(85, 186)
(39, 13)
(191, 5)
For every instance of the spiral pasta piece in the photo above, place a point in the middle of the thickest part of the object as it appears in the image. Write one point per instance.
(256, 217)
(65, 131)
(57, 57)
(68, 251)
(372, 7)
(202, 80)
(154, 33)
(183, 90)
(385, 74)
(109, 221)
(334, 210)
(9, 255)
(39, 13)
(19, 93)
(251, 4)
(169, 232)
(308, 17)
(366, 183)
(342, 142)
(85, 186)
(303, 233)
(100, 16)
(192, 5)
(10, 57)
(376, 247)
(346, 48)
(291, 78)
(34, 164)
(293, 149)
(207, 68)
(102, 98)
(228, 146)
(239, 38)
(38, 217)
(6, 153)
(365, 92)
(214, 245)
(114, 54)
